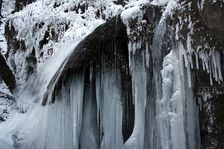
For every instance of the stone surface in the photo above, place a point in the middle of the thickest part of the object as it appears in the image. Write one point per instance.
(6, 74)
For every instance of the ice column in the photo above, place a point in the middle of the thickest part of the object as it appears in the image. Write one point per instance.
(139, 82)
(108, 93)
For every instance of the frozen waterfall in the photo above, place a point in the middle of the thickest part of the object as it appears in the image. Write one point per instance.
(88, 111)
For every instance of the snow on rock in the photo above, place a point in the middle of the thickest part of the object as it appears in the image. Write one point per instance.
(133, 11)
(131, 14)
(160, 2)
(7, 102)
(169, 9)
(7, 7)
(43, 26)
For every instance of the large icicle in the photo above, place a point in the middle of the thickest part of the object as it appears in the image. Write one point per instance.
(108, 91)
(137, 66)
(171, 106)
(190, 110)
(139, 83)
(76, 99)
(50, 127)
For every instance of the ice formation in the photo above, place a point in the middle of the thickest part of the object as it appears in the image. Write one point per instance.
(34, 90)
(88, 111)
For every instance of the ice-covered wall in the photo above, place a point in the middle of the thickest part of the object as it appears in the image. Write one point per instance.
(133, 84)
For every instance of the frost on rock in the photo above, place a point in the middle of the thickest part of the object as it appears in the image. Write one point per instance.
(207, 59)
(198, 47)
(132, 17)
(7, 102)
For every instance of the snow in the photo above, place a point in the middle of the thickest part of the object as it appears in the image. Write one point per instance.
(61, 23)
(169, 9)
(133, 10)
(7, 102)
(4, 145)
(7, 7)
(131, 14)
(160, 2)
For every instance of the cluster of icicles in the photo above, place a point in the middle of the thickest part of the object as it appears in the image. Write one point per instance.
(176, 112)
(211, 63)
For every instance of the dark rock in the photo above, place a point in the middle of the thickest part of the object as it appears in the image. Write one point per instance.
(20, 4)
(31, 63)
(2, 119)
(6, 74)
(212, 16)
(208, 30)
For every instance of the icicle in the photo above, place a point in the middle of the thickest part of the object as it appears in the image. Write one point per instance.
(210, 75)
(197, 61)
(109, 104)
(189, 75)
(147, 54)
(218, 60)
(210, 63)
(139, 81)
(76, 99)
(190, 61)
(171, 106)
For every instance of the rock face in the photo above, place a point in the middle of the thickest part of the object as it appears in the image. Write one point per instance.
(212, 14)
(6, 74)
(207, 20)
(209, 96)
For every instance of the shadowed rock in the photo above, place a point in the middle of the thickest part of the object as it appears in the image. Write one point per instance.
(20, 4)
(6, 74)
